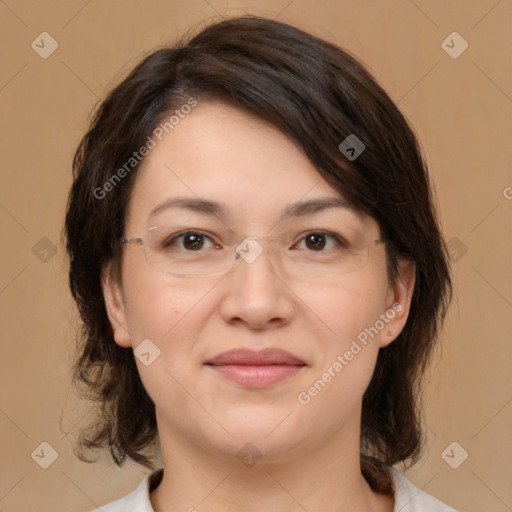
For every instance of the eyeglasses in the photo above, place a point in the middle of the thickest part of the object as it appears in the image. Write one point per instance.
(195, 253)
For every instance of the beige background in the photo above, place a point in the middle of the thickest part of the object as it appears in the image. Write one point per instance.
(461, 110)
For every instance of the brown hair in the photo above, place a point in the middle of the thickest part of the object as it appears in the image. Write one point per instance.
(318, 95)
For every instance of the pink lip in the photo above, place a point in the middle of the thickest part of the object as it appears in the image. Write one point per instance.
(256, 369)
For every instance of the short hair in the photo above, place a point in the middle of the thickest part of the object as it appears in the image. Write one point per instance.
(318, 95)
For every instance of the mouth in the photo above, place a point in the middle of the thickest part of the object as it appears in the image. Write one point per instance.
(256, 369)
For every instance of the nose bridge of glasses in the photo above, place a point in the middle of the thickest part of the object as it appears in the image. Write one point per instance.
(252, 247)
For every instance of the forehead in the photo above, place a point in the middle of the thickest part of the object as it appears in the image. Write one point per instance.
(226, 155)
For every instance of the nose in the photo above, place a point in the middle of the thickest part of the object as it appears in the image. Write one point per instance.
(255, 292)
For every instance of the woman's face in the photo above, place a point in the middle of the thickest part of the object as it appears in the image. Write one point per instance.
(333, 324)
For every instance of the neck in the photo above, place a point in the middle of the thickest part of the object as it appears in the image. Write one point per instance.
(323, 477)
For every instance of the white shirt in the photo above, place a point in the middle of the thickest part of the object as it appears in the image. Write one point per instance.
(408, 498)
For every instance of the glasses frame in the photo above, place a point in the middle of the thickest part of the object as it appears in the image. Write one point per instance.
(140, 242)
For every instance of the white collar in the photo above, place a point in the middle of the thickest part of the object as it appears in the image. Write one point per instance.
(408, 498)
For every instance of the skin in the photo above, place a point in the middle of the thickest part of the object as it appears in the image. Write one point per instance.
(310, 452)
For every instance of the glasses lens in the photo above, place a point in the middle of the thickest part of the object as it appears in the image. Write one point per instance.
(197, 253)
(186, 253)
(325, 261)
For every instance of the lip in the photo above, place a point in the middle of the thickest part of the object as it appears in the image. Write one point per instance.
(256, 368)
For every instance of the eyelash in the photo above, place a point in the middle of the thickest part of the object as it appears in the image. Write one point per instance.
(170, 241)
(340, 241)
(180, 236)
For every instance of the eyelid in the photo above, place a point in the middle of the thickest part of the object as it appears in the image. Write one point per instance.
(180, 234)
(231, 238)
(330, 234)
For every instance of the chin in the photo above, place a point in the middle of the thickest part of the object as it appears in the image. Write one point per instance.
(250, 449)
(257, 433)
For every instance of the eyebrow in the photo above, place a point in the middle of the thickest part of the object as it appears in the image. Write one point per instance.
(299, 209)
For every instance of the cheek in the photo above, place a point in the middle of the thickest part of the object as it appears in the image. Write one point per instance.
(156, 307)
(350, 309)
(344, 358)
(348, 345)
(171, 317)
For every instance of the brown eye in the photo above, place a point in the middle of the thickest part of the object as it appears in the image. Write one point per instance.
(193, 241)
(320, 241)
(189, 241)
(315, 241)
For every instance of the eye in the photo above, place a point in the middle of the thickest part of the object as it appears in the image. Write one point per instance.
(319, 241)
(190, 241)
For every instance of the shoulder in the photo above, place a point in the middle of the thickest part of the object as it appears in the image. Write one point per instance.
(409, 498)
(138, 500)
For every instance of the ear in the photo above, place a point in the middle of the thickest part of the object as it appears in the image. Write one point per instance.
(398, 302)
(114, 302)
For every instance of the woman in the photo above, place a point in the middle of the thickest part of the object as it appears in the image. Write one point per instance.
(256, 259)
